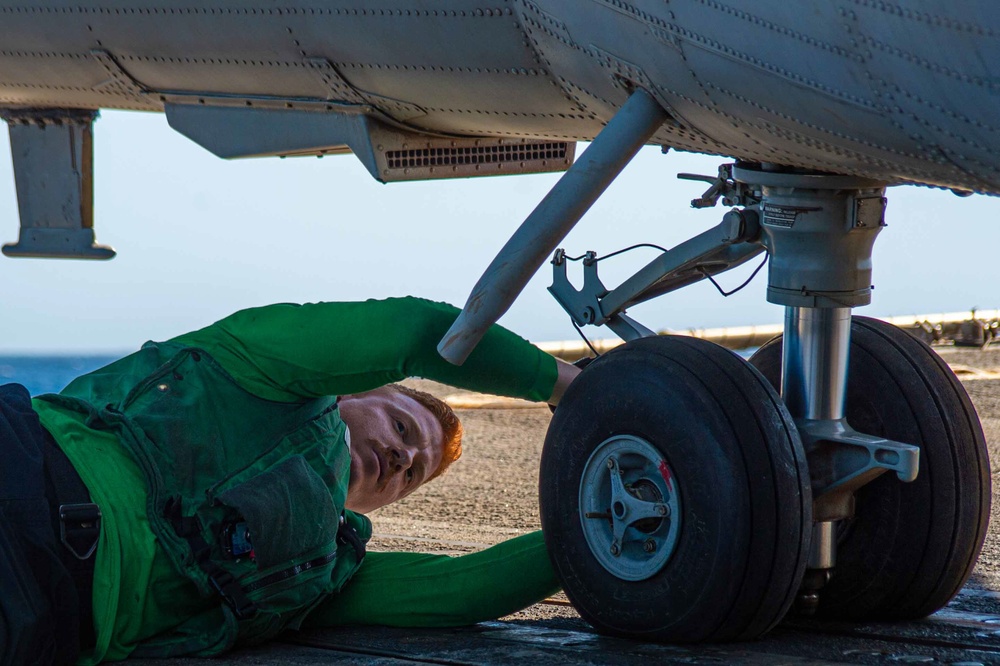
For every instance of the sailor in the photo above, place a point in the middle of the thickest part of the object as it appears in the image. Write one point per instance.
(209, 491)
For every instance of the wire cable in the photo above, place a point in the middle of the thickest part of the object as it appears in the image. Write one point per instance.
(580, 331)
(629, 248)
(616, 252)
(745, 283)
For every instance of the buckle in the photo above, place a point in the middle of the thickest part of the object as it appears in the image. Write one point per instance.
(80, 528)
(226, 586)
(349, 535)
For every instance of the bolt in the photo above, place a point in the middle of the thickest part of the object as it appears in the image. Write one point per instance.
(649, 546)
(807, 603)
(662, 509)
(615, 550)
(611, 463)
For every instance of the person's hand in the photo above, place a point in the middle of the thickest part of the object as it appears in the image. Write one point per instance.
(567, 373)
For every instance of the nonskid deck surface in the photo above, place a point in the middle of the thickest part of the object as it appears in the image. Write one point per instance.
(952, 636)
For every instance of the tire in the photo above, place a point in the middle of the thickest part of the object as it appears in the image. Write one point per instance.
(910, 546)
(741, 499)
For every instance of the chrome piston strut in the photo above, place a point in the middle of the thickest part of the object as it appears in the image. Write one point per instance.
(819, 230)
(814, 362)
(814, 386)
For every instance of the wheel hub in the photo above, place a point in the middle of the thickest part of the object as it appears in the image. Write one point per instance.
(629, 507)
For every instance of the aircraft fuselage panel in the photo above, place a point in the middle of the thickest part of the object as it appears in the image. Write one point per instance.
(901, 94)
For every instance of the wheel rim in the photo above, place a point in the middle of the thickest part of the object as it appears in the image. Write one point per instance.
(629, 507)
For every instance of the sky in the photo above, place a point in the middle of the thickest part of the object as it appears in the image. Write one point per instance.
(199, 237)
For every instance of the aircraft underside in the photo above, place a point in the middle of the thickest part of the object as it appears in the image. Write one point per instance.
(686, 494)
(897, 92)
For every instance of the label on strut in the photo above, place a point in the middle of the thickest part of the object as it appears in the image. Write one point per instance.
(780, 216)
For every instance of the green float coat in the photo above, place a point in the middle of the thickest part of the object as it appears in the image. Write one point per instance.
(292, 353)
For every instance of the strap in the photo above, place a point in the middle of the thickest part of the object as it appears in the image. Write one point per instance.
(78, 524)
(349, 535)
(79, 518)
(223, 582)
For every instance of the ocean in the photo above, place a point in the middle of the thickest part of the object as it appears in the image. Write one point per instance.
(51, 373)
(48, 374)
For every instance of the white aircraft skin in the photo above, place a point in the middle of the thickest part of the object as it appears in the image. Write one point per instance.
(898, 91)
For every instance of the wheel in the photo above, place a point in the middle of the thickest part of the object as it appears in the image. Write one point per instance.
(674, 494)
(910, 546)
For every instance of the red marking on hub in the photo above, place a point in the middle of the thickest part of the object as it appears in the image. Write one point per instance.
(665, 473)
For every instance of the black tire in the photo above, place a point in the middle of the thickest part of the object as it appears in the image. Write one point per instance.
(741, 474)
(910, 546)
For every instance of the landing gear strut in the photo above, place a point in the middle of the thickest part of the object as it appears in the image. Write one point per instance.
(907, 548)
(820, 230)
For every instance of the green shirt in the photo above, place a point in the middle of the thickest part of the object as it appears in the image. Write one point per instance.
(280, 352)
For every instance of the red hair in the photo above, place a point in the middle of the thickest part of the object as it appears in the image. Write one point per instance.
(451, 426)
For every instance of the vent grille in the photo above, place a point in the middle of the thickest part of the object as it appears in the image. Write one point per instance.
(473, 155)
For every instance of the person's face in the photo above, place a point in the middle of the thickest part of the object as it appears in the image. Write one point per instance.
(396, 445)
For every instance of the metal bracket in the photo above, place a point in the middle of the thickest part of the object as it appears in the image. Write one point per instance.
(723, 187)
(52, 151)
(583, 305)
(727, 245)
(841, 459)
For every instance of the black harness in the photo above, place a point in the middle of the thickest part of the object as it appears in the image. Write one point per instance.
(77, 525)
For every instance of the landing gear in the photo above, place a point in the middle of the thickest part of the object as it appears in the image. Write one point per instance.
(864, 544)
(675, 496)
(682, 499)
(908, 547)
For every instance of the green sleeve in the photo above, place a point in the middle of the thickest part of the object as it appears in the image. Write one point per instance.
(417, 590)
(289, 352)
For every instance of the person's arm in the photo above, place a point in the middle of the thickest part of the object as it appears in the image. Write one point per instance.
(418, 590)
(289, 352)
(565, 374)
